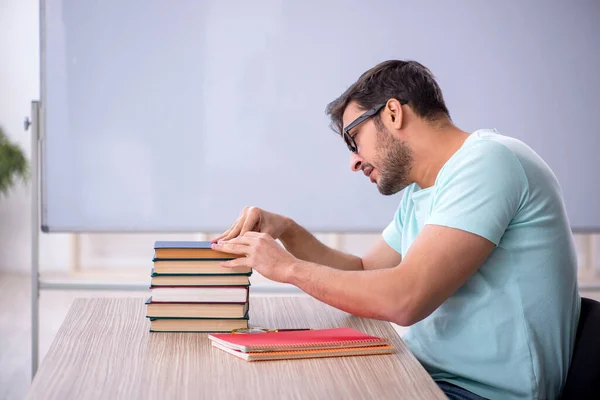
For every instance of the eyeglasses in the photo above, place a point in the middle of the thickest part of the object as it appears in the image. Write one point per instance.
(349, 139)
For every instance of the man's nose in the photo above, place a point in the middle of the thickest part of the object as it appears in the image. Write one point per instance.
(355, 162)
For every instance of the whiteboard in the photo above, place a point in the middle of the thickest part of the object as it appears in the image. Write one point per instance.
(173, 116)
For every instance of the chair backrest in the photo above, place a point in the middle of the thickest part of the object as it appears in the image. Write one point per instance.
(583, 379)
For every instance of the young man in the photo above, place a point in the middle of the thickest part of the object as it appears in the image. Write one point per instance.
(478, 260)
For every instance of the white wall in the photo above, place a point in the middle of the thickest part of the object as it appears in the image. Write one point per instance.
(19, 85)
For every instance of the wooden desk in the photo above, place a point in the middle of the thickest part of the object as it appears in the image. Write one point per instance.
(104, 350)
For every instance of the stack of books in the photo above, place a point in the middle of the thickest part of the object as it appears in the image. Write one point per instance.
(192, 292)
(312, 343)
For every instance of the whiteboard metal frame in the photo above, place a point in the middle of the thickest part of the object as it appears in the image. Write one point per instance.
(35, 238)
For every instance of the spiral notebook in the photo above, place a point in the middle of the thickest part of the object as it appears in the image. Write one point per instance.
(316, 339)
(297, 354)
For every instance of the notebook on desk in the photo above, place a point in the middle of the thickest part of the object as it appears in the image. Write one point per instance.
(301, 344)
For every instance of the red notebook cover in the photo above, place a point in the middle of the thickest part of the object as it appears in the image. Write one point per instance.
(297, 340)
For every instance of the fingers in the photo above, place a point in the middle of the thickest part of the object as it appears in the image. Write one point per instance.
(227, 232)
(234, 230)
(248, 221)
(247, 239)
(254, 234)
(225, 235)
(221, 236)
(237, 262)
(234, 246)
(251, 222)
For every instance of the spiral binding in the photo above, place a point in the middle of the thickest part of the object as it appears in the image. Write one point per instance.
(336, 350)
(345, 343)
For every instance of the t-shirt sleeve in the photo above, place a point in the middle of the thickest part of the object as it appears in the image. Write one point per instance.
(392, 234)
(481, 192)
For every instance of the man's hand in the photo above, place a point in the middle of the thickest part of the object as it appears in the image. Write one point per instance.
(253, 219)
(263, 254)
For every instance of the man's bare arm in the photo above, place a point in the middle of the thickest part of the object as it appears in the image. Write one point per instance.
(304, 246)
(440, 260)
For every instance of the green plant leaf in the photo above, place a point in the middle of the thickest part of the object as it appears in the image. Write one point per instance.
(13, 164)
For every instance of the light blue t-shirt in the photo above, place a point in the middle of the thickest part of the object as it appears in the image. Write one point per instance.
(508, 332)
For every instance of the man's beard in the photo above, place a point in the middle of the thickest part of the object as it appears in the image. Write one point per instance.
(393, 161)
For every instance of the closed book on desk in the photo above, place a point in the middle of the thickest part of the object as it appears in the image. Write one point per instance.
(189, 249)
(317, 339)
(199, 294)
(199, 279)
(197, 324)
(195, 310)
(195, 266)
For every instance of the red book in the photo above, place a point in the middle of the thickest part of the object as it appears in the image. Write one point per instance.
(317, 339)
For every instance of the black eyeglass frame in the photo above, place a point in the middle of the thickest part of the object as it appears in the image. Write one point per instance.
(349, 139)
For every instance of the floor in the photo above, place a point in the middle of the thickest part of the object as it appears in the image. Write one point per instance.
(15, 327)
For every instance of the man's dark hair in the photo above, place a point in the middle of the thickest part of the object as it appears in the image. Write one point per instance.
(401, 80)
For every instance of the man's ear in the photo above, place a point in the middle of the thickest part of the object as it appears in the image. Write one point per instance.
(394, 113)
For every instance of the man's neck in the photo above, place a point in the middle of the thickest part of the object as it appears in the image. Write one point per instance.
(431, 149)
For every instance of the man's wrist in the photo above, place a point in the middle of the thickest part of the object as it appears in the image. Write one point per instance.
(294, 272)
(289, 226)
